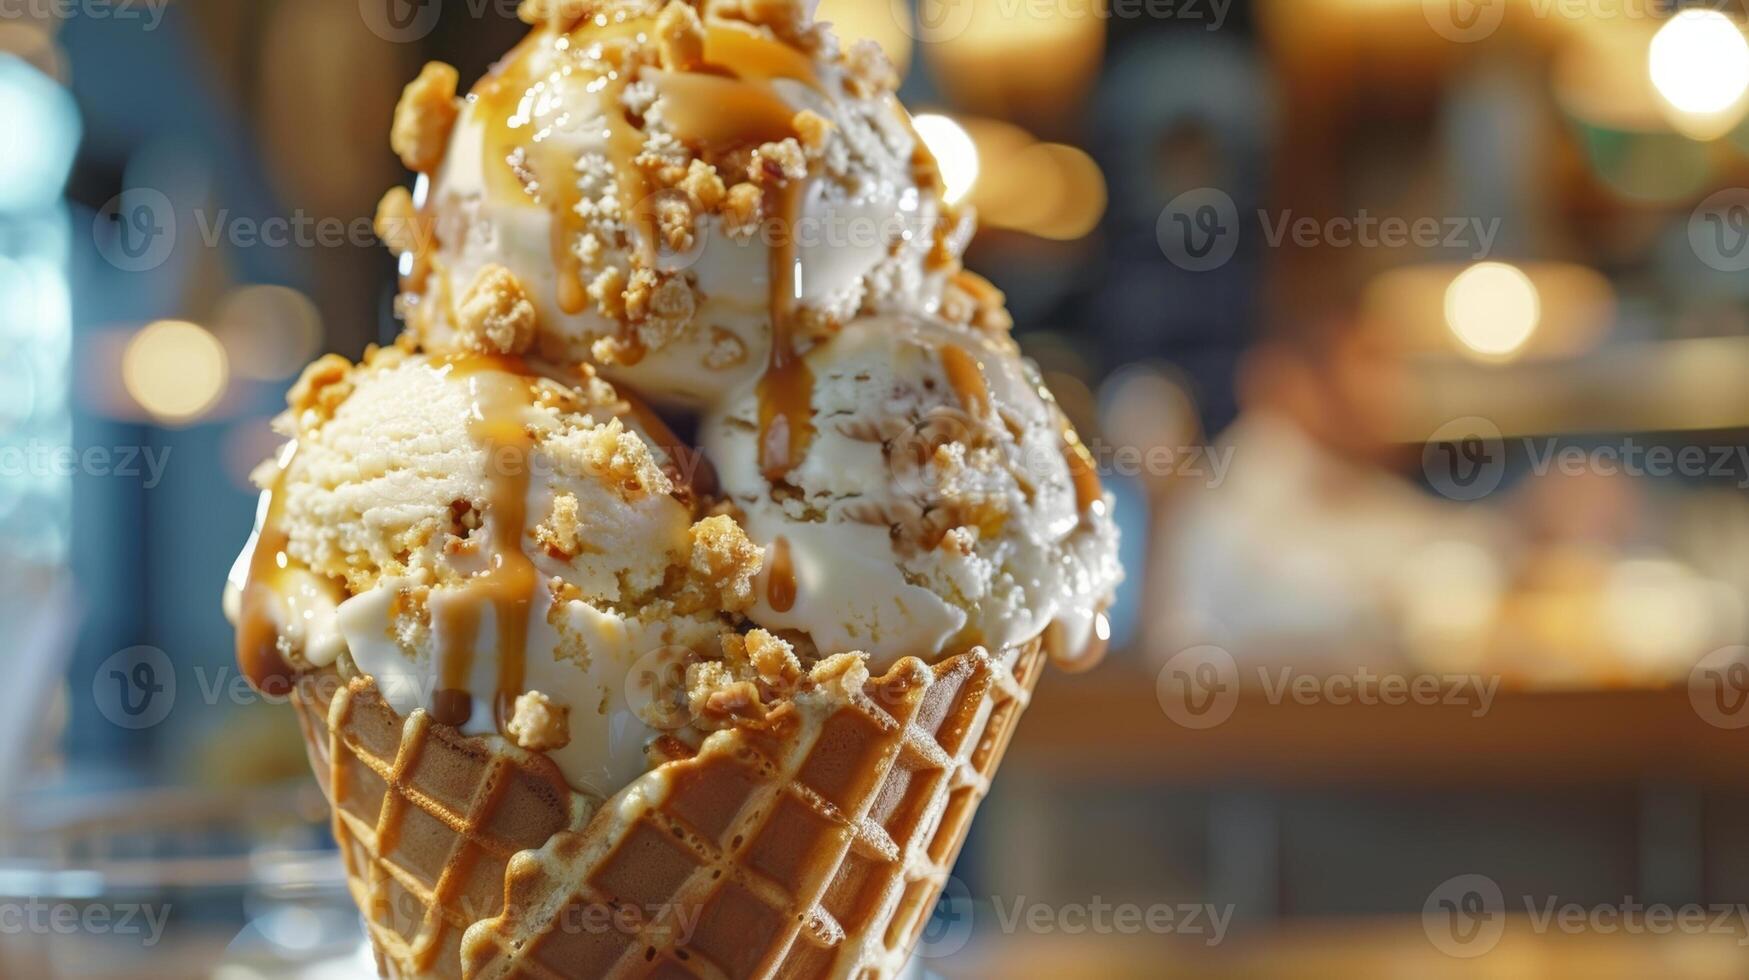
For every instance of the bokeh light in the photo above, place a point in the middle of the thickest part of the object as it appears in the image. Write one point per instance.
(39, 131)
(1700, 62)
(1660, 612)
(269, 332)
(1030, 61)
(1493, 309)
(954, 151)
(175, 371)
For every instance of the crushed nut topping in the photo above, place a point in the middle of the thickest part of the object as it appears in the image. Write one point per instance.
(539, 724)
(496, 316)
(778, 163)
(320, 390)
(721, 568)
(742, 209)
(813, 129)
(681, 36)
(425, 117)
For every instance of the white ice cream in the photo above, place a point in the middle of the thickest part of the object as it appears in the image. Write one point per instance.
(918, 524)
(391, 509)
(863, 234)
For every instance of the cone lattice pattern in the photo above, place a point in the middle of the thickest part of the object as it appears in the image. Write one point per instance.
(426, 819)
(814, 846)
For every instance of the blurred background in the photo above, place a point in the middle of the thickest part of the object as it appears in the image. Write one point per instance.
(1410, 334)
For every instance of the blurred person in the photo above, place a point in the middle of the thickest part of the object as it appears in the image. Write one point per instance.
(1301, 550)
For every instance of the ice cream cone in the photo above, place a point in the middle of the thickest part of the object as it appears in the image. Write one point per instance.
(812, 844)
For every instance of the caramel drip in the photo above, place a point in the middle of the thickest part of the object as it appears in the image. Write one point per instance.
(1089, 492)
(717, 114)
(624, 143)
(1086, 658)
(258, 631)
(756, 55)
(499, 99)
(521, 159)
(500, 388)
(966, 376)
(780, 588)
(786, 391)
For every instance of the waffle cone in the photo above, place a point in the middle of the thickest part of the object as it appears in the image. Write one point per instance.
(813, 844)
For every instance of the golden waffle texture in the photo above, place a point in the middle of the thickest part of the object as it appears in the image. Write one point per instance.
(812, 845)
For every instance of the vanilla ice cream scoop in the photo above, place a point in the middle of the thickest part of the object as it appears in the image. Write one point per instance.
(934, 499)
(708, 204)
(492, 542)
(662, 182)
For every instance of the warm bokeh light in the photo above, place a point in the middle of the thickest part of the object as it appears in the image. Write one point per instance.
(1080, 194)
(1700, 62)
(1493, 309)
(890, 25)
(1660, 613)
(954, 151)
(1029, 61)
(1450, 593)
(269, 332)
(175, 370)
(1050, 190)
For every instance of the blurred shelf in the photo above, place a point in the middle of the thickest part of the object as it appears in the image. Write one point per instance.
(1351, 950)
(1689, 386)
(1108, 726)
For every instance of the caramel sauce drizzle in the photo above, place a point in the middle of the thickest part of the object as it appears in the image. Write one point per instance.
(258, 631)
(729, 104)
(1089, 491)
(1089, 656)
(717, 114)
(708, 109)
(755, 55)
(966, 376)
(780, 588)
(786, 391)
(501, 392)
